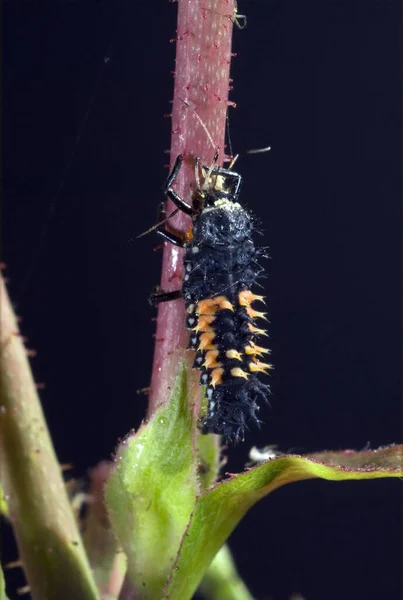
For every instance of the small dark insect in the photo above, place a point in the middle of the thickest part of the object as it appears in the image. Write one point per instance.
(221, 267)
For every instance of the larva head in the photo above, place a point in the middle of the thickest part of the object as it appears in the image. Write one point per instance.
(215, 183)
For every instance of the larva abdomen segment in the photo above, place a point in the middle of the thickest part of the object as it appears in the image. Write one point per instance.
(223, 333)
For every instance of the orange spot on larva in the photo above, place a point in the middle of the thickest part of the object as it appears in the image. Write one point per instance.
(246, 297)
(233, 354)
(204, 323)
(205, 341)
(259, 367)
(237, 372)
(252, 349)
(216, 377)
(256, 330)
(210, 306)
(211, 360)
(255, 314)
(188, 235)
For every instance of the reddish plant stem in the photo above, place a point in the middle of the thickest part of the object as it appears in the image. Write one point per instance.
(203, 55)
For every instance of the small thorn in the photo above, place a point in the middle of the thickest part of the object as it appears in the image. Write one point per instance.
(13, 564)
(23, 590)
(181, 37)
(31, 352)
(144, 390)
(66, 467)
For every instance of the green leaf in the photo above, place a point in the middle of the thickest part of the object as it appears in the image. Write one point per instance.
(219, 510)
(151, 492)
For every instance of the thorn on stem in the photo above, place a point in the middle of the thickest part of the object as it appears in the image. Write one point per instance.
(13, 564)
(145, 390)
(26, 589)
(66, 467)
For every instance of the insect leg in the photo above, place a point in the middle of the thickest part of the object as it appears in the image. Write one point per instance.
(176, 238)
(158, 296)
(168, 191)
(231, 175)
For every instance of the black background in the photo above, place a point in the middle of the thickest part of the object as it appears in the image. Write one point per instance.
(319, 82)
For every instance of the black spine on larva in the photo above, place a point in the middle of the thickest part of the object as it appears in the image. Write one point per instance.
(221, 262)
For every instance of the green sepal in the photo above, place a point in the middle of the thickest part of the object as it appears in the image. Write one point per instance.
(151, 492)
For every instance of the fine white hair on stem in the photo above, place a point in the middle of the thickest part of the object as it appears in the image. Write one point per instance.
(259, 150)
(202, 123)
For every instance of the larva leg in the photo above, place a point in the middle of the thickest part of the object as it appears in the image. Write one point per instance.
(159, 296)
(175, 237)
(168, 191)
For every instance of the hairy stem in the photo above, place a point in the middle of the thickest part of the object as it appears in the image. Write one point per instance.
(203, 55)
(47, 535)
(222, 581)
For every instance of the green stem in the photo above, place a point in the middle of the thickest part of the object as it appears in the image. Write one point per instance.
(47, 535)
(222, 581)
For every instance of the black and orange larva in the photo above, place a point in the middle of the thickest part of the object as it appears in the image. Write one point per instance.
(221, 266)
